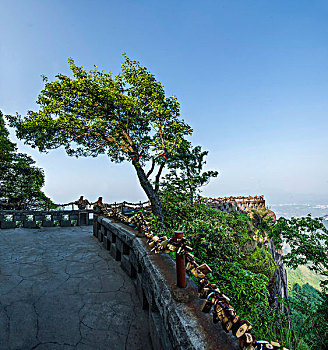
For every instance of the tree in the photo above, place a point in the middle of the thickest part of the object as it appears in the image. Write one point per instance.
(186, 166)
(308, 242)
(128, 117)
(6, 147)
(20, 180)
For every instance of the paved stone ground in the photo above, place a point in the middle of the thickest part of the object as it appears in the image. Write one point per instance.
(59, 289)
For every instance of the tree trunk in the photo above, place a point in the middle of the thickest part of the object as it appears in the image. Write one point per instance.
(156, 205)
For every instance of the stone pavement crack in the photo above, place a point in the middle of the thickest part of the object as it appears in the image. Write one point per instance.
(60, 288)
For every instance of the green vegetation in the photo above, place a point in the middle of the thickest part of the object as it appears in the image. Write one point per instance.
(20, 180)
(303, 275)
(128, 117)
(308, 242)
(241, 265)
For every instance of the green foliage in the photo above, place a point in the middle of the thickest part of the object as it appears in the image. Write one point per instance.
(244, 288)
(221, 240)
(20, 180)
(259, 261)
(309, 309)
(127, 117)
(272, 324)
(242, 266)
(185, 165)
(308, 241)
(303, 275)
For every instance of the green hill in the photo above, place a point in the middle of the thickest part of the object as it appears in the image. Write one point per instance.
(303, 275)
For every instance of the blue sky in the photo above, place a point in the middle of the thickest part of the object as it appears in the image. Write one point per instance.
(251, 77)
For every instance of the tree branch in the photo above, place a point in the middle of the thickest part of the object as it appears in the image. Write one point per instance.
(152, 168)
(158, 176)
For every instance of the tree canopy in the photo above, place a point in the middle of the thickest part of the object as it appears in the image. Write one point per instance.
(20, 180)
(127, 116)
(185, 170)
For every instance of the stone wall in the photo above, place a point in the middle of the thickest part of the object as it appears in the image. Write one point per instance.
(174, 316)
(35, 219)
(230, 204)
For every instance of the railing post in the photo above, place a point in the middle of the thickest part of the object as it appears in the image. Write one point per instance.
(180, 263)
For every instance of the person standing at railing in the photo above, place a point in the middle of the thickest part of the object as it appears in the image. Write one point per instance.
(82, 203)
(99, 207)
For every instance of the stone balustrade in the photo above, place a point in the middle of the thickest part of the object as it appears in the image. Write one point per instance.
(174, 317)
(35, 219)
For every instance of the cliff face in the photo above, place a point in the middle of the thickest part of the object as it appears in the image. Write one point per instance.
(278, 284)
(279, 287)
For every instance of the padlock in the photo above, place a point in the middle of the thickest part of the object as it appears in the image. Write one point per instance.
(204, 268)
(218, 307)
(261, 343)
(204, 293)
(225, 322)
(248, 338)
(197, 273)
(171, 247)
(236, 319)
(275, 344)
(164, 243)
(224, 318)
(206, 307)
(230, 312)
(207, 304)
(228, 326)
(241, 330)
(216, 317)
(201, 285)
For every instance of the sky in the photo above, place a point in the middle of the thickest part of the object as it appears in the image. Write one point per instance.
(251, 77)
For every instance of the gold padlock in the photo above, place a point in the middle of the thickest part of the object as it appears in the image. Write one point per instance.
(236, 319)
(206, 306)
(216, 317)
(275, 344)
(228, 326)
(241, 330)
(204, 293)
(197, 273)
(171, 247)
(204, 268)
